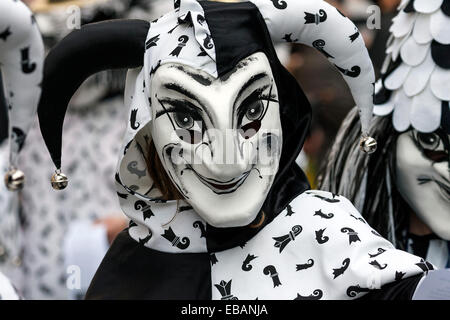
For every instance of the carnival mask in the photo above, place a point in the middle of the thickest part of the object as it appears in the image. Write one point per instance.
(219, 139)
(423, 177)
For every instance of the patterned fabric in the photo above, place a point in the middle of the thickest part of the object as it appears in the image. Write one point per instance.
(318, 248)
(89, 196)
(415, 86)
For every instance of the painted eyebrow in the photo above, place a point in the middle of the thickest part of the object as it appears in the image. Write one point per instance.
(197, 77)
(249, 82)
(177, 88)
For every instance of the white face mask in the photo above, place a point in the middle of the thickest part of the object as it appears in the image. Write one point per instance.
(219, 139)
(423, 178)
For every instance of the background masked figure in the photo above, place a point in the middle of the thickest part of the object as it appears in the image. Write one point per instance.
(21, 65)
(207, 169)
(403, 190)
(69, 231)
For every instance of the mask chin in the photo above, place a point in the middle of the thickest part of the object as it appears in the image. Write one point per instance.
(423, 184)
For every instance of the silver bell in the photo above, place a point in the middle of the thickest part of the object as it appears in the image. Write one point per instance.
(59, 180)
(14, 179)
(368, 145)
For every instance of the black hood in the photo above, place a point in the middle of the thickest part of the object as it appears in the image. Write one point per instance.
(239, 30)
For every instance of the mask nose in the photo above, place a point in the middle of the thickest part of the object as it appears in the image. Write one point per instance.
(227, 160)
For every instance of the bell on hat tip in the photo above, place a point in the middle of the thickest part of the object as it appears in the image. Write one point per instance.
(14, 179)
(59, 180)
(368, 144)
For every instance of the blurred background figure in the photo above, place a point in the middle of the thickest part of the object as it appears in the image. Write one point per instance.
(61, 237)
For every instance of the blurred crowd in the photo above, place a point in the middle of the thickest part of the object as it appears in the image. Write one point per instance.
(40, 229)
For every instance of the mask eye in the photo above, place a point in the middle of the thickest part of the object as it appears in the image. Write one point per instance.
(190, 128)
(184, 120)
(251, 120)
(428, 141)
(255, 111)
(432, 146)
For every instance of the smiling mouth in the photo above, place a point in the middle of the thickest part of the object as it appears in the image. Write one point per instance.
(445, 188)
(222, 187)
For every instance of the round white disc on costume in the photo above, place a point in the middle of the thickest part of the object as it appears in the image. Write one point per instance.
(421, 31)
(413, 53)
(418, 77)
(402, 110)
(440, 83)
(440, 27)
(396, 79)
(426, 111)
(427, 6)
(402, 24)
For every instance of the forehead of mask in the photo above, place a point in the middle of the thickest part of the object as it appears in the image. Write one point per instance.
(423, 177)
(219, 139)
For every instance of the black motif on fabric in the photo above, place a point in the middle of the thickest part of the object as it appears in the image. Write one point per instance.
(201, 226)
(19, 137)
(353, 72)
(425, 266)
(289, 211)
(175, 240)
(145, 208)
(246, 266)
(176, 4)
(315, 17)
(242, 245)
(27, 65)
(445, 7)
(353, 291)
(279, 4)
(153, 70)
(376, 233)
(132, 168)
(134, 125)
(181, 44)
(122, 195)
(225, 290)
(200, 19)
(282, 242)
(358, 218)
(332, 200)
(207, 42)
(288, 38)
(5, 34)
(173, 29)
(272, 272)
(126, 148)
(377, 265)
(152, 42)
(340, 271)
(354, 36)
(213, 259)
(323, 215)
(380, 251)
(399, 275)
(145, 240)
(202, 53)
(320, 238)
(319, 44)
(305, 266)
(316, 295)
(352, 235)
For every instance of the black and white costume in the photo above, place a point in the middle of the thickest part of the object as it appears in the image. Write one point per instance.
(21, 65)
(294, 243)
(411, 172)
